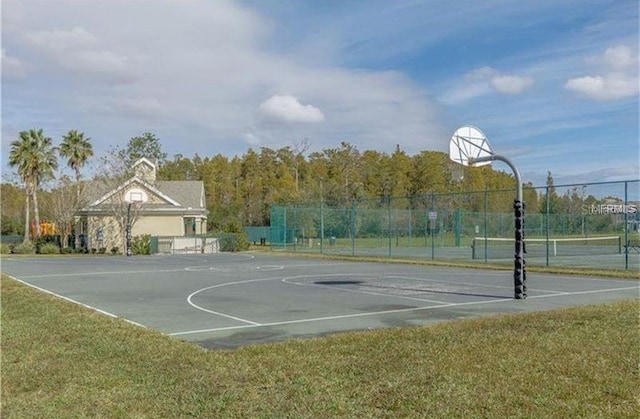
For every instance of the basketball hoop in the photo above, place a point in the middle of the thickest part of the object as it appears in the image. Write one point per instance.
(468, 144)
(135, 197)
(469, 147)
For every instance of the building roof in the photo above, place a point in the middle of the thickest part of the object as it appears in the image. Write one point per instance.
(189, 193)
(165, 195)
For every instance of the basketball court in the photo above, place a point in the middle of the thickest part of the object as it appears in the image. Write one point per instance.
(232, 299)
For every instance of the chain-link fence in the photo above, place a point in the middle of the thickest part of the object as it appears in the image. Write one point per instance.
(592, 225)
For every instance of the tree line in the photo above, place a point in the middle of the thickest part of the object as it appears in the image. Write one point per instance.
(240, 190)
(243, 188)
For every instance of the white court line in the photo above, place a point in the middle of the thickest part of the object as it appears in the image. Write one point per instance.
(472, 284)
(103, 273)
(284, 280)
(211, 256)
(382, 277)
(71, 300)
(382, 294)
(322, 265)
(267, 268)
(345, 316)
(554, 292)
(563, 293)
(205, 268)
(217, 313)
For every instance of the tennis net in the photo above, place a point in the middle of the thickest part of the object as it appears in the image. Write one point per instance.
(500, 247)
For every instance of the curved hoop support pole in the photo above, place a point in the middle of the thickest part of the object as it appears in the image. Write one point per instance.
(519, 265)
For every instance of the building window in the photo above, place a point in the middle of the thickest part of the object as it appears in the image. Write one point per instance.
(189, 226)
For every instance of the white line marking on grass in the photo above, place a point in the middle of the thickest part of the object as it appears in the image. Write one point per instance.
(71, 300)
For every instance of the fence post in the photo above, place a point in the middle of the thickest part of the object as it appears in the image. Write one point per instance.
(432, 224)
(486, 224)
(285, 228)
(546, 217)
(353, 227)
(389, 216)
(410, 222)
(626, 227)
(456, 227)
(295, 226)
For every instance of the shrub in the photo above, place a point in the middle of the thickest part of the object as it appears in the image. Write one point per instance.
(141, 245)
(233, 242)
(66, 250)
(6, 248)
(115, 250)
(234, 238)
(49, 249)
(102, 250)
(27, 248)
(94, 250)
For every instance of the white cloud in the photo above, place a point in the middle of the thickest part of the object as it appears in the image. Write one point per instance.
(465, 92)
(207, 72)
(620, 57)
(132, 107)
(78, 50)
(481, 74)
(619, 78)
(11, 66)
(13, 15)
(483, 81)
(252, 139)
(288, 108)
(511, 84)
(57, 40)
(609, 87)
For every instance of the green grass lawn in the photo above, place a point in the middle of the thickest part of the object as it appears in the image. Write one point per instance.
(62, 360)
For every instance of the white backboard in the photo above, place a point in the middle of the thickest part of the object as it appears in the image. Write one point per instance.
(135, 196)
(468, 142)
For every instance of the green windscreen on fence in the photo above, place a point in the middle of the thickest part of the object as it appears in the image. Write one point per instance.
(568, 225)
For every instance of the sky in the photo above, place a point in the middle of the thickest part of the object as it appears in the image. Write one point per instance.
(553, 84)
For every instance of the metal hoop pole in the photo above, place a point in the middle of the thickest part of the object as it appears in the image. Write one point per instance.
(129, 251)
(519, 265)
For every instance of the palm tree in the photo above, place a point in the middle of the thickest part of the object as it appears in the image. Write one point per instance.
(34, 157)
(77, 150)
(18, 157)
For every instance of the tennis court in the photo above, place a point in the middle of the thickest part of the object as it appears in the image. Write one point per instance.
(229, 300)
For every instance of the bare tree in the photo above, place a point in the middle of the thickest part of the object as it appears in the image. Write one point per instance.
(299, 148)
(114, 173)
(64, 206)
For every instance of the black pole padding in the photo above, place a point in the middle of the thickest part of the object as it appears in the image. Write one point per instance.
(519, 265)
(129, 252)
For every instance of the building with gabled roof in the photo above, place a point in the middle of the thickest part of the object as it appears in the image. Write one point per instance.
(172, 208)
